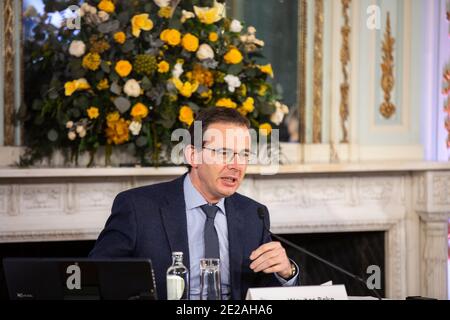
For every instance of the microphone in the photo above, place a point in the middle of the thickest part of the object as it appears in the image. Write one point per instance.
(262, 211)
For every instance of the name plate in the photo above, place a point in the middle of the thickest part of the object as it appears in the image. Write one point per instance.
(336, 292)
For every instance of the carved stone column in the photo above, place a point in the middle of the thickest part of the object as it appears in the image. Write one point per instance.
(434, 253)
(433, 207)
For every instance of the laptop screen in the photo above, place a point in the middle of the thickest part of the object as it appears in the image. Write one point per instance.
(79, 279)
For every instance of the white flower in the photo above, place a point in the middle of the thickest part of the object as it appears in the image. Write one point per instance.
(205, 52)
(79, 129)
(177, 70)
(104, 16)
(69, 124)
(280, 111)
(82, 133)
(236, 26)
(251, 30)
(135, 127)
(72, 135)
(162, 3)
(132, 88)
(85, 8)
(233, 82)
(186, 15)
(77, 48)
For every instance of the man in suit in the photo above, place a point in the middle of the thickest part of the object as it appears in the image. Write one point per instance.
(201, 215)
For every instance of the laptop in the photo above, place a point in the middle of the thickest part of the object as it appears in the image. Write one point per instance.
(79, 279)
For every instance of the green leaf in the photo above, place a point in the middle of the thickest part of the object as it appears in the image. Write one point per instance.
(81, 102)
(37, 104)
(128, 46)
(235, 69)
(266, 108)
(145, 83)
(122, 104)
(141, 141)
(109, 27)
(99, 75)
(193, 106)
(105, 67)
(115, 88)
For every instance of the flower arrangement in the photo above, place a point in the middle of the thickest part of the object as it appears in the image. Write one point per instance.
(134, 72)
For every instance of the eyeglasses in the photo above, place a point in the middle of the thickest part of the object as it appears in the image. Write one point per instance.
(227, 155)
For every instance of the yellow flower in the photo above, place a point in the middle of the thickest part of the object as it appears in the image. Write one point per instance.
(139, 111)
(93, 113)
(171, 36)
(82, 84)
(120, 37)
(141, 22)
(262, 90)
(233, 56)
(213, 37)
(91, 61)
(190, 42)
(103, 84)
(265, 129)
(186, 89)
(209, 15)
(163, 67)
(248, 105)
(242, 90)
(117, 131)
(186, 115)
(70, 88)
(226, 103)
(165, 12)
(123, 68)
(267, 69)
(107, 6)
(75, 85)
(207, 95)
(242, 111)
(112, 117)
(201, 75)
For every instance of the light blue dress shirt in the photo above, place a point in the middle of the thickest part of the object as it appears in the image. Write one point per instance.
(195, 224)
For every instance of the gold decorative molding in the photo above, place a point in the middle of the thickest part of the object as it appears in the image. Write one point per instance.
(8, 76)
(387, 108)
(345, 60)
(301, 73)
(446, 88)
(318, 71)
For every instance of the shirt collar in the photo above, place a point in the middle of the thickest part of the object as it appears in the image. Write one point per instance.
(194, 199)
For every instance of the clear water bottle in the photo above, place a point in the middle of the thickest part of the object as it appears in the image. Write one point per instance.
(177, 279)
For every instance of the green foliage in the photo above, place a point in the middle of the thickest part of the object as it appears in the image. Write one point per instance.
(77, 100)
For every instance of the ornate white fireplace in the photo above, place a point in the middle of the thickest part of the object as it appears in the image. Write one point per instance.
(409, 201)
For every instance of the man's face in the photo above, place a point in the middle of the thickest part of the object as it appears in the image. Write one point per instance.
(221, 164)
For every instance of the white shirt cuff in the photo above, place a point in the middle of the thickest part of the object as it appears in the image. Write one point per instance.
(291, 282)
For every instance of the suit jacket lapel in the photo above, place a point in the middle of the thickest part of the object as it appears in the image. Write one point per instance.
(235, 231)
(174, 220)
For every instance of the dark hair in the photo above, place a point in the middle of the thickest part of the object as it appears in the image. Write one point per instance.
(213, 115)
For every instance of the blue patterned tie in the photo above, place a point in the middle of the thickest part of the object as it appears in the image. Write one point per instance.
(210, 234)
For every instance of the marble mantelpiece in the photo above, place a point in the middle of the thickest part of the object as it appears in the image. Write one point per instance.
(410, 201)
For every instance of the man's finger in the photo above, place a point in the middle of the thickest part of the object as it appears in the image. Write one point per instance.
(264, 248)
(267, 264)
(265, 256)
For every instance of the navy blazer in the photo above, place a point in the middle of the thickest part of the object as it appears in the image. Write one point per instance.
(150, 222)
